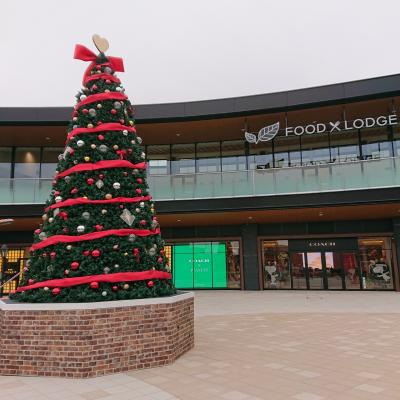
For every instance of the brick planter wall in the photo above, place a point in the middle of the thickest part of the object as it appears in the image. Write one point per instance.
(92, 339)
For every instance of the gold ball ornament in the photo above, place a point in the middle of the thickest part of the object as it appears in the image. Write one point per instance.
(115, 147)
(126, 286)
(131, 123)
(86, 158)
(108, 196)
(45, 288)
(126, 254)
(90, 126)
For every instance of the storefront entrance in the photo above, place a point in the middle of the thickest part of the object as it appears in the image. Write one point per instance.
(325, 270)
(328, 264)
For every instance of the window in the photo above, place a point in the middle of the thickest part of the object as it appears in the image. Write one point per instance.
(49, 161)
(5, 162)
(208, 157)
(206, 264)
(183, 159)
(376, 263)
(315, 149)
(375, 143)
(159, 157)
(285, 146)
(345, 146)
(276, 264)
(233, 155)
(261, 156)
(27, 162)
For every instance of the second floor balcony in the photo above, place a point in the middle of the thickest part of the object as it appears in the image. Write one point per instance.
(370, 174)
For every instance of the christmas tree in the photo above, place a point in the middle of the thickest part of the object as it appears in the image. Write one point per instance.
(100, 239)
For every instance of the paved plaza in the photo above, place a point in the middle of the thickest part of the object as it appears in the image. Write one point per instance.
(261, 345)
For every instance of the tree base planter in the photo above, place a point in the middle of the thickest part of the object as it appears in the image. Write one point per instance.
(82, 340)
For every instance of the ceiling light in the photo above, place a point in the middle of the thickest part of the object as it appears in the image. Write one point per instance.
(320, 214)
(6, 221)
(48, 138)
(178, 220)
(250, 217)
(178, 134)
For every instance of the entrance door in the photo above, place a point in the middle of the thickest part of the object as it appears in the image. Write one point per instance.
(316, 270)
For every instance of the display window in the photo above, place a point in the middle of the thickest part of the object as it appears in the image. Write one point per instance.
(205, 265)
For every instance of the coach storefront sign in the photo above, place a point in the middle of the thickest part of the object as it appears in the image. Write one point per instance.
(267, 133)
(310, 245)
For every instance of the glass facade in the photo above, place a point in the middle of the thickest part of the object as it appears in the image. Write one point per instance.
(228, 155)
(334, 264)
(205, 265)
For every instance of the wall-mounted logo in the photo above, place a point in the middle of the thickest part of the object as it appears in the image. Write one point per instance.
(269, 132)
(264, 134)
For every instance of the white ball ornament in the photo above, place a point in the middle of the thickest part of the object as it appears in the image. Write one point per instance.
(141, 204)
(106, 270)
(143, 155)
(75, 119)
(60, 157)
(118, 89)
(133, 141)
(152, 252)
(82, 97)
(103, 148)
(67, 179)
(139, 139)
(116, 185)
(45, 288)
(125, 132)
(42, 236)
(86, 215)
(104, 293)
(104, 211)
(69, 247)
(116, 266)
(99, 105)
(117, 105)
(45, 217)
(93, 146)
(137, 210)
(58, 199)
(80, 143)
(80, 229)
(92, 112)
(51, 219)
(132, 237)
(107, 70)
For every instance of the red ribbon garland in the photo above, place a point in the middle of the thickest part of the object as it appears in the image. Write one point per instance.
(103, 76)
(109, 126)
(110, 278)
(105, 164)
(92, 236)
(101, 97)
(83, 200)
(84, 54)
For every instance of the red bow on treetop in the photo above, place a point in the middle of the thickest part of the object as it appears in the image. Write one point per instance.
(84, 54)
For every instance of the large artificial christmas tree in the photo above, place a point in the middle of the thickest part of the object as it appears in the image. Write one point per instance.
(100, 239)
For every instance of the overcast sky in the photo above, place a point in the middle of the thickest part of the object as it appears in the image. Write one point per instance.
(182, 50)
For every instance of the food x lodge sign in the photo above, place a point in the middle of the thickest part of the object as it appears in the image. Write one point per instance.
(269, 132)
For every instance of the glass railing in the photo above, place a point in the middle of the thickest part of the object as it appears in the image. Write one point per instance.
(369, 174)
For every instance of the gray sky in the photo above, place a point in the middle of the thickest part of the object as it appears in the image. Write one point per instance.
(182, 50)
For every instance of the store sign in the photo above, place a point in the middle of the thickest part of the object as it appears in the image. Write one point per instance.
(314, 245)
(269, 132)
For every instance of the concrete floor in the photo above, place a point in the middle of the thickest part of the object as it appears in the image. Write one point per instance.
(262, 345)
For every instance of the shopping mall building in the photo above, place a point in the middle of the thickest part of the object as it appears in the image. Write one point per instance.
(288, 190)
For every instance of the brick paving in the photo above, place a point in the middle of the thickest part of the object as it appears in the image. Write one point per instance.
(261, 345)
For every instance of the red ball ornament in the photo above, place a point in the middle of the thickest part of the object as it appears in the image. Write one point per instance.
(74, 265)
(150, 284)
(135, 251)
(86, 253)
(96, 253)
(125, 173)
(139, 180)
(100, 137)
(130, 151)
(99, 122)
(71, 151)
(90, 181)
(85, 111)
(94, 87)
(31, 281)
(56, 291)
(115, 288)
(94, 285)
(143, 222)
(53, 254)
(44, 255)
(162, 252)
(54, 182)
(113, 111)
(56, 193)
(159, 259)
(115, 247)
(121, 206)
(121, 121)
(75, 114)
(138, 191)
(65, 230)
(66, 272)
(108, 81)
(101, 176)
(74, 191)
(37, 231)
(99, 227)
